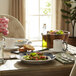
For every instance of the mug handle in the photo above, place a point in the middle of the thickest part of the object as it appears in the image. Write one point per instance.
(65, 43)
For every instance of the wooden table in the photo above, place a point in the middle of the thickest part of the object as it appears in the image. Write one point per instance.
(15, 67)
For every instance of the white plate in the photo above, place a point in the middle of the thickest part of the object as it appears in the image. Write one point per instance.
(11, 48)
(22, 43)
(37, 61)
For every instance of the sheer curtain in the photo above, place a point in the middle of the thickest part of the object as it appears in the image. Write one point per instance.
(17, 10)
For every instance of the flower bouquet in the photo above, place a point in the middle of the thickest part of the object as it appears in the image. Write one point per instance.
(3, 30)
(4, 25)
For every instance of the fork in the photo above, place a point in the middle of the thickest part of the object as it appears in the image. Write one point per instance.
(66, 57)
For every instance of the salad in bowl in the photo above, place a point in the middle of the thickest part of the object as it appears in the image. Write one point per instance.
(36, 58)
(56, 32)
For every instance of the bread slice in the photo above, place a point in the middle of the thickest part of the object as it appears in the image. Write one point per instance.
(28, 47)
(22, 49)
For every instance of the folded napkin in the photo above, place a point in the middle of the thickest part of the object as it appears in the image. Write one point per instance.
(64, 58)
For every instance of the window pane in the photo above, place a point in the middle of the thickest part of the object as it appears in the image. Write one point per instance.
(45, 20)
(32, 7)
(39, 12)
(45, 6)
(33, 27)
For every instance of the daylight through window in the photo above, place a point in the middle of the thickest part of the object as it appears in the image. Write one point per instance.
(38, 13)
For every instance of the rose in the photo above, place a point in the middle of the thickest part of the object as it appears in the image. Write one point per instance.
(4, 31)
(4, 25)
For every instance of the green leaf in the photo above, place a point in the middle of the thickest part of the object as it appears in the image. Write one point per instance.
(65, 17)
(60, 32)
(45, 11)
(64, 11)
(68, 4)
(65, 2)
(73, 17)
(33, 54)
(48, 4)
(67, 22)
(49, 9)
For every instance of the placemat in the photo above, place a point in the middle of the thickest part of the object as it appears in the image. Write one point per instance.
(7, 55)
(65, 60)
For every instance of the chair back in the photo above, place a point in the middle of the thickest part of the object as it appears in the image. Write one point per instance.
(15, 28)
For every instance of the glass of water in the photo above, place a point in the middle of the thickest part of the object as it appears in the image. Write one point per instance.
(1, 51)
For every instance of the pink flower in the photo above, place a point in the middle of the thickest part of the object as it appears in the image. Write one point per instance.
(1, 30)
(5, 32)
(4, 25)
(4, 20)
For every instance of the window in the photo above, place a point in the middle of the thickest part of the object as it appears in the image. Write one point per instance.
(38, 13)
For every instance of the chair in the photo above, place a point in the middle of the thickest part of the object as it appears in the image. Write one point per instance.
(15, 27)
(73, 71)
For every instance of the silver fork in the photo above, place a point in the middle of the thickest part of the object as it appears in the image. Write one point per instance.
(66, 57)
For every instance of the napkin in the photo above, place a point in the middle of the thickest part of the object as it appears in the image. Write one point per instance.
(64, 60)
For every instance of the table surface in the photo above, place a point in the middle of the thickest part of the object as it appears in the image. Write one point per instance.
(14, 67)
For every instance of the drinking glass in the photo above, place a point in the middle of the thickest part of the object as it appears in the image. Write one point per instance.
(1, 52)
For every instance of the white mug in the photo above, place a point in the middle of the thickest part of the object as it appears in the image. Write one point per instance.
(59, 45)
(9, 42)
